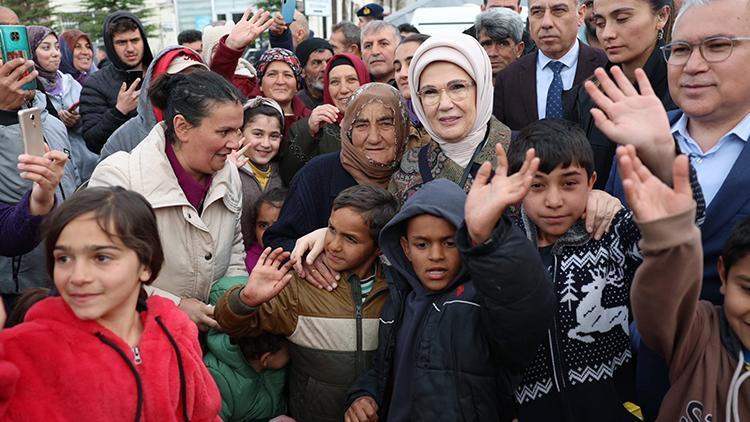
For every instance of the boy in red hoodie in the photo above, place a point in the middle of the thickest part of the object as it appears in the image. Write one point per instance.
(705, 346)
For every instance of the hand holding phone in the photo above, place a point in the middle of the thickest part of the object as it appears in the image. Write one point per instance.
(287, 10)
(12, 95)
(127, 98)
(30, 121)
(14, 42)
(74, 107)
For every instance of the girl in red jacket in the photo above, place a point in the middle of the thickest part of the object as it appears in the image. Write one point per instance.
(102, 350)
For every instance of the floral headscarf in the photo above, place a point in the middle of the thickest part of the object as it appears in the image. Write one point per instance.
(363, 169)
(279, 55)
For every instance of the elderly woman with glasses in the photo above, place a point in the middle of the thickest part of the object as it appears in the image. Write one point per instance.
(631, 33)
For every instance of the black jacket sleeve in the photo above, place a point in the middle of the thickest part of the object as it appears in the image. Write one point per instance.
(282, 41)
(99, 119)
(294, 219)
(516, 295)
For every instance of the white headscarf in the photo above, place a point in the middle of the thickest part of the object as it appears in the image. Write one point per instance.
(464, 51)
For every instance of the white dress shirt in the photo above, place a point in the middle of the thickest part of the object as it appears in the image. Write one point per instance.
(544, 76)
(713, 166)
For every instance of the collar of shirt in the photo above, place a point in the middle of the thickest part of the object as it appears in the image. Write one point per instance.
(741, 132)
(194, 190)
(570, 59)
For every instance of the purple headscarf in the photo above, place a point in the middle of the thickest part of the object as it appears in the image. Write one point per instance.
(36, 35)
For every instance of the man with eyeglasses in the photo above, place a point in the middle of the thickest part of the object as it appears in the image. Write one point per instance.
(707, 61)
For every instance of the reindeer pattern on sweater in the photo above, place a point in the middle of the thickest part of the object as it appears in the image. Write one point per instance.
(589, 339)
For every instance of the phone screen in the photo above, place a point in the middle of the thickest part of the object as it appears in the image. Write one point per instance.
(287, 10)
(14, 44)
(132, 76)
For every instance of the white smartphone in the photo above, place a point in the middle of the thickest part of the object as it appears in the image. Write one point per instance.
(30, 121)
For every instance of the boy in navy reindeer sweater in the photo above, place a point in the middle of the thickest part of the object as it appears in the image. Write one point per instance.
(584, 370)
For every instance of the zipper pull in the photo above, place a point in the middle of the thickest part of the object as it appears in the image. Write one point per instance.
(137, 355)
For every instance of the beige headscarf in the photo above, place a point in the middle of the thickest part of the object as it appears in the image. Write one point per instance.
(363, 169)
(465, 52)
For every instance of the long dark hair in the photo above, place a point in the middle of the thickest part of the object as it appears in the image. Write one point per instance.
(120, 213)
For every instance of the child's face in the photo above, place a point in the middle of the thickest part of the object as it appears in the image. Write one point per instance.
(735, 287)
(348, 243)
(97, 275)
(430, 246)
(263, 133)
(557, 200)
(267, 215)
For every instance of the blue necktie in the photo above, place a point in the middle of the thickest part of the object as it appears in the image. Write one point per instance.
(554, 93)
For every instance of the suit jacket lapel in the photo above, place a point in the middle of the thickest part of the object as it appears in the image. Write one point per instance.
(586, 64)
(730, 197)
(527, 83)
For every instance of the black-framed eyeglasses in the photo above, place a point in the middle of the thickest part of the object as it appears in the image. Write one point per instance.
(456, 90)
(712, 49)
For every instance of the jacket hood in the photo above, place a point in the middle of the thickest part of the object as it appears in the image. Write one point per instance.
(109, 47)
(441, 198)
(160, 64)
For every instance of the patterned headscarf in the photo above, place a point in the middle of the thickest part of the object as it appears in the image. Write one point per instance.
(36, 35)
(363, 169)
(265, 101)
(279, 55)
(68, 40)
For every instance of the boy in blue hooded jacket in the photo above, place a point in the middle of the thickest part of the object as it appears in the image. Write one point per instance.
(469, 304)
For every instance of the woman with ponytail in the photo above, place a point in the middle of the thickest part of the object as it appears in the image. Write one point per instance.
(181, 168)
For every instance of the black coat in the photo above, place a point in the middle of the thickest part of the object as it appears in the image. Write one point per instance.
(515, 86)
(473, 340)
(577, 104)
(308, 204)
(99, 117)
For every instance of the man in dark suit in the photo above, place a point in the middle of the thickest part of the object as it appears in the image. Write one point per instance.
(531, 88)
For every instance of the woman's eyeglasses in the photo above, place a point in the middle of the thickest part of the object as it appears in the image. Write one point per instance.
(456, 91)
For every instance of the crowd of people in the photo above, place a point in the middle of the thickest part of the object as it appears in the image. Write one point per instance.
(528, 221)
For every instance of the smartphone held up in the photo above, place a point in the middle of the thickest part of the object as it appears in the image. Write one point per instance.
(14, 43)
(30, 121)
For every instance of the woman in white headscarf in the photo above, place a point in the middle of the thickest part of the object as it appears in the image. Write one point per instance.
(450, 79)
(451, 90)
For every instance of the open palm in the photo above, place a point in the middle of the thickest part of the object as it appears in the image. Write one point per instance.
(269, 277)
(488, 198)
(248, 29)
(626, 116)
(649, 198)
